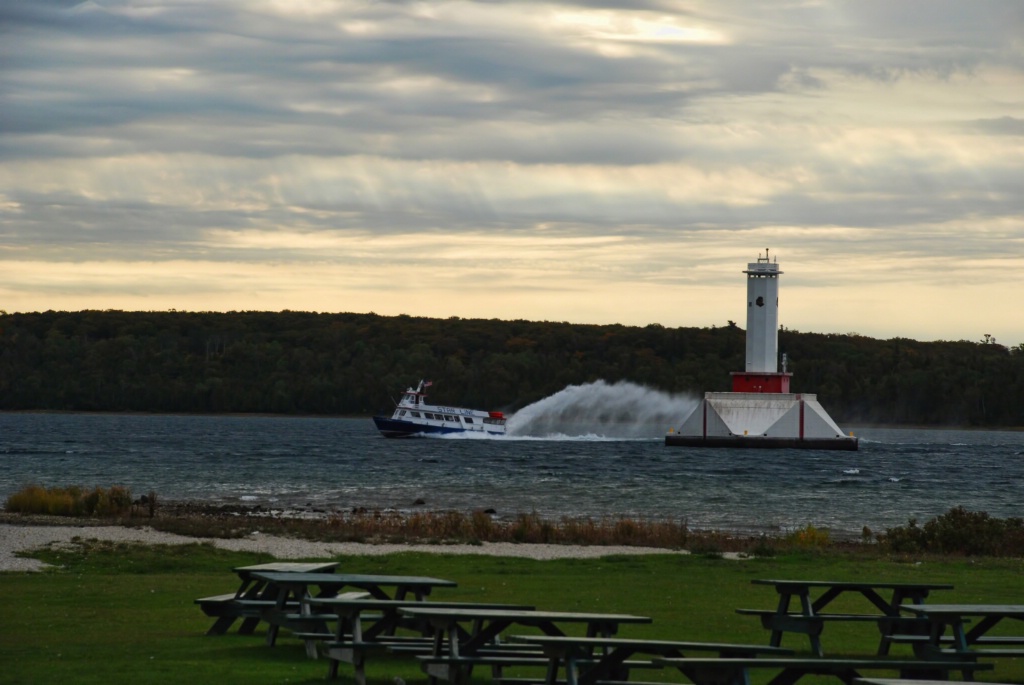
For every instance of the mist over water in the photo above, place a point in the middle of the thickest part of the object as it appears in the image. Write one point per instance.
(620, 410)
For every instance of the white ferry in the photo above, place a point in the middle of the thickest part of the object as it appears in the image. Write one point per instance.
(413, 416)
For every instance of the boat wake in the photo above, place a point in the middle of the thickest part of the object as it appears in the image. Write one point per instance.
(601, 411)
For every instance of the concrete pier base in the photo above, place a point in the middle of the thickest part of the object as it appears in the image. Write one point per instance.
(760, 420)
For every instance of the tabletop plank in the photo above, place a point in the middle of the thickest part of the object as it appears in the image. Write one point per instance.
(851, 584)
(1008, 610)
(290, 567)
(468, 614)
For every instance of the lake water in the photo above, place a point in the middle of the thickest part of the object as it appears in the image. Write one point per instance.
(342, 463)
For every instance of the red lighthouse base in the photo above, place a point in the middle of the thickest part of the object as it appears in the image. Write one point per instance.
(760, 381)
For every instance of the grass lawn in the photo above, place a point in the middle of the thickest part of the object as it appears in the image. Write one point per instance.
(111, 614)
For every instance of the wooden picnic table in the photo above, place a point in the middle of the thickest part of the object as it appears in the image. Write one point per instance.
(898, 681)
(788, 670)
(467, 637)
(297, 587)
(355, 636)
(811, 616)
(251, 597)
(964, 642)
(588, 660)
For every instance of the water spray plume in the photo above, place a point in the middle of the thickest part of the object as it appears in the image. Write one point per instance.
(618, 410)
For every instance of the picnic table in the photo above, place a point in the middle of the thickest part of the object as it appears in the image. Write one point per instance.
(788, 670)
(467, 637)
(297, 587)
(811, 616)
(963, 642)
(367, 625)
(251, 597)
(588, 660)
(898, 681)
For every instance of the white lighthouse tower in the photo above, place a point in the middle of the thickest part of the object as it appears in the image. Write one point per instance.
(762, 315)
(760, 411)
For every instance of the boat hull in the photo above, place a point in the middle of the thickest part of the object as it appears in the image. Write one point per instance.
(397, 428)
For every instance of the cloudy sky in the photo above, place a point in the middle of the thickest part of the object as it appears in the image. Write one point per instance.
(591, 162)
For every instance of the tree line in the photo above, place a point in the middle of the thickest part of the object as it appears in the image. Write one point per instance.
(356, 364)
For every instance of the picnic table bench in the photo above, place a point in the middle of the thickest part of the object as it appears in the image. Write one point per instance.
(251, 598)
(812, 615)
(465, 637)
(298, 588)
(589, 660)
(788, 670)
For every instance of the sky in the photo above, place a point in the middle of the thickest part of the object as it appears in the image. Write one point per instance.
(591, 162)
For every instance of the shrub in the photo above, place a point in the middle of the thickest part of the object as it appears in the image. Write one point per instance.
(70, 501)
(958, 531)
(809, 537)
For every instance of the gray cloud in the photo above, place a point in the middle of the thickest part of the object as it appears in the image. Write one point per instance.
(139, 130)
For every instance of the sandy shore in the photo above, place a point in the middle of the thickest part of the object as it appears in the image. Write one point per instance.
(16, 538)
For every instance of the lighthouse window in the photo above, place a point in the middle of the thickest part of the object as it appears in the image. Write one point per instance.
(760, 301)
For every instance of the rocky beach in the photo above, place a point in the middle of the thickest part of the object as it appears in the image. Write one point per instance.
(21, 534)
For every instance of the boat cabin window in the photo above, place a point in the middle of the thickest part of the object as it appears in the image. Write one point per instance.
(467, 419)
(495, 422)
(401, 413)
(447, 417)
(415, 414)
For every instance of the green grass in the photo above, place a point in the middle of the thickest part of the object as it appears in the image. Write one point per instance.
(111, 614)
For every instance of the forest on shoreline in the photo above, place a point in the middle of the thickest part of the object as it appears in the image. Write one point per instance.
(345, 363)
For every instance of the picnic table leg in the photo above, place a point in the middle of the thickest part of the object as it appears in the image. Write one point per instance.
(221, 625)
(306, 610)
(808, 610)
(278, 608)
(359, 664)
(816, 645)
(248, 626)
(782, 610)
(572, 670)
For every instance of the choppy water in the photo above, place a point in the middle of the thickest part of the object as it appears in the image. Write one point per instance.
(574, 470)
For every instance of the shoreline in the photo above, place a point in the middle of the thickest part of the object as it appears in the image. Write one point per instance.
(28, 535)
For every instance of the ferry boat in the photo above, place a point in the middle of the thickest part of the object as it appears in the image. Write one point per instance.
(413, 416)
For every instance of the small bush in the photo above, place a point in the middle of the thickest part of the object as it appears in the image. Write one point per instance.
(764, 548)
(809, 537)
(959, 532)
(70, 501)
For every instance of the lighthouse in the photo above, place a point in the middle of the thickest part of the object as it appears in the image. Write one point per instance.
(760, 411)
